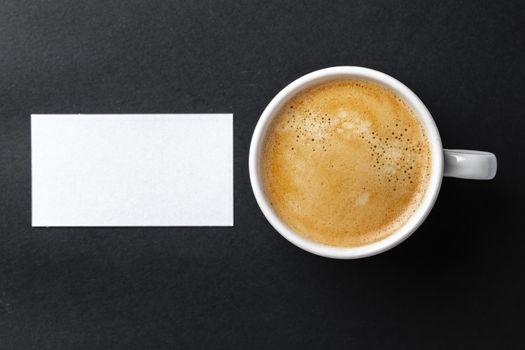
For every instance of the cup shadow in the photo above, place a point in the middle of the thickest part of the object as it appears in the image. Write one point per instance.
(463, 232)
(461, 227)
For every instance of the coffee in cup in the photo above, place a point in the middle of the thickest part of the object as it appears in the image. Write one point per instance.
(345, 162)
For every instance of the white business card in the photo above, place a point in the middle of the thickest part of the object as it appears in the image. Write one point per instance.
(132, 170)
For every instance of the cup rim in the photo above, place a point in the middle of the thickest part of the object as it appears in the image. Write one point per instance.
(333, 73)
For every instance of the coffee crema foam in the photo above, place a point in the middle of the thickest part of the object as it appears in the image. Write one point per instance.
(346, 163)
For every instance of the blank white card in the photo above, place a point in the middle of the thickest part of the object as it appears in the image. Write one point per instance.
(132, 170)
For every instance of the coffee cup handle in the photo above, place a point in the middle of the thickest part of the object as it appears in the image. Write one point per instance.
(466, 164)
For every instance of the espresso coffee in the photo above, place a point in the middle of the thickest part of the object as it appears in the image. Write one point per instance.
(346, 163)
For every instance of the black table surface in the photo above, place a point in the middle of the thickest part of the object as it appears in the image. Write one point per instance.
(458, 282)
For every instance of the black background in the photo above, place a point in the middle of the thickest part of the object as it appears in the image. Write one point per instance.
(458, 282)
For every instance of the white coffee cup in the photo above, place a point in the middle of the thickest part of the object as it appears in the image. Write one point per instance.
(454, 163)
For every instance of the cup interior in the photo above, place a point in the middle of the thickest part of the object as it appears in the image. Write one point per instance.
(324, 75)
